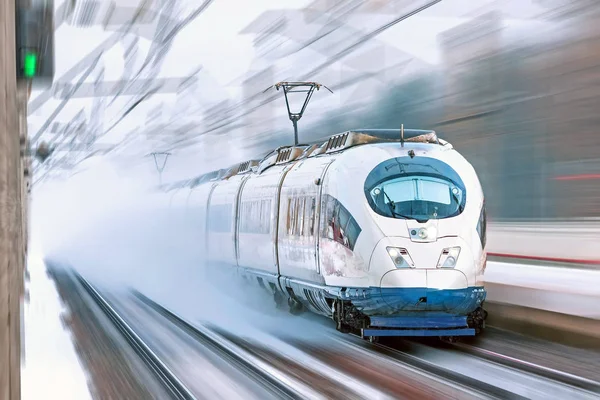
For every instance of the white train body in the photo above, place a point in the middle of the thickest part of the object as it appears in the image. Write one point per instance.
(382, 236)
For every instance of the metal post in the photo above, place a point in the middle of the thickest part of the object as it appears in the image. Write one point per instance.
(295, 122)
(297, 87)
(160, 168)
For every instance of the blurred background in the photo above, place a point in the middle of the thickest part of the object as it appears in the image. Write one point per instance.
(509, 83)
(149, 94)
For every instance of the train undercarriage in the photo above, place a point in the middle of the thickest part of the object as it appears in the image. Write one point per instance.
(349, 319)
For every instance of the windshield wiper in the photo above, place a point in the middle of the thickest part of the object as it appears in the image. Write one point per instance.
(393, 206)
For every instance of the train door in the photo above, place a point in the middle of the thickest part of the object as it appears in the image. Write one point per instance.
(222, 213)
(257, 223)
(238, 218)
(197, 207)
(298, 223)
(318, 214)
(206, 232)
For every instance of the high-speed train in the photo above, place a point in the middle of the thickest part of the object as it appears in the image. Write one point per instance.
(384, 231)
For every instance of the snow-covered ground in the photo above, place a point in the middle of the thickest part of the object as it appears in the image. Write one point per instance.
(51, 369)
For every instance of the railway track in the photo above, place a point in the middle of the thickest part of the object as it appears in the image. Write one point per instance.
(166, 377)
(584, 387)
(275, 373)
(466, 383)
(272, 379)
(278, 382)
(536, 369)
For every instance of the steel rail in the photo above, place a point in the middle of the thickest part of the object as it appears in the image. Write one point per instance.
(173, 385)
(279, 382)
(459, 380)
(533, 368)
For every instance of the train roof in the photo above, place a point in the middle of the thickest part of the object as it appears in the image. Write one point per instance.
(327, 145)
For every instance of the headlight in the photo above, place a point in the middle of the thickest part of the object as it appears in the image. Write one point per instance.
(400, 257)
(449, 257)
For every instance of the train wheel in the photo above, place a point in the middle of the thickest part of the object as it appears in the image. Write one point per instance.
(374, 339)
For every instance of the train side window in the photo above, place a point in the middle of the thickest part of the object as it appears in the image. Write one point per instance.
(299, 210)
(299, 216)
(304, 227)
(310, 212)
(289, 217)
(295, 222)
(293, 217)
(255, 216)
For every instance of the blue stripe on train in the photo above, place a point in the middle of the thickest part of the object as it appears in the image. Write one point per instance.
(374, 301)
(405, 308)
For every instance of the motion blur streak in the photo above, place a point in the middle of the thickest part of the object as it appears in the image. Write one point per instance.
(577, 177)
(108, 227)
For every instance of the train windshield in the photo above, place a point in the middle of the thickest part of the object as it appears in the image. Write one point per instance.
(420, 188)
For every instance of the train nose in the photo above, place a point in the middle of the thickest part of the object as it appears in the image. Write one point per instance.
(424, 289)
(435, 279)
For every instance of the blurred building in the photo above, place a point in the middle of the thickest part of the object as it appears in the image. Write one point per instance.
(109, 13)
(473, 107)
(524, 112)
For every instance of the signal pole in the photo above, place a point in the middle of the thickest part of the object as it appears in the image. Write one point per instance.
(26, 59)
(12, 226)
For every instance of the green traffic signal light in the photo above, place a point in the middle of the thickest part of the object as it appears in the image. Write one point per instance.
(30, 64)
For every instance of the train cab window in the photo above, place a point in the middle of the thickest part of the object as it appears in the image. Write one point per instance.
(420, 188)
(352, 231)
(339, 225)
(344, 217)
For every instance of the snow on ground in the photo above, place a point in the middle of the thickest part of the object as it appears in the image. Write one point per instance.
(51, 369)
